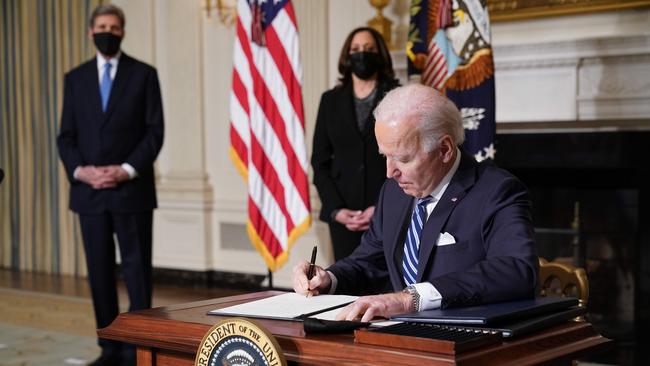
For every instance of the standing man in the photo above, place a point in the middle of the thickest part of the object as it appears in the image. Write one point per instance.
(111, 132)
(447, 231)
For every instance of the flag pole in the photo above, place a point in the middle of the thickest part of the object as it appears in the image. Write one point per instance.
(270, 280)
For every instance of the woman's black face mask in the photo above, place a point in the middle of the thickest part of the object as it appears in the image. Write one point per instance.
(364, 64)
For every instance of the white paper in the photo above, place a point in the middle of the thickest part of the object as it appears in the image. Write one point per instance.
(383, 323)
(331, 315)
(286, 306)
(327, 315)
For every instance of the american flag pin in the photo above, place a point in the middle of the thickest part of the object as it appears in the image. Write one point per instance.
(454, 199)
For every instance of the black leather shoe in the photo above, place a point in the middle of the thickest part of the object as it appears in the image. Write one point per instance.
(106, 360)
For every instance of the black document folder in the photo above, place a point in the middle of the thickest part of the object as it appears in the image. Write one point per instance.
(490, 314)
(517, 328)
(539, 322)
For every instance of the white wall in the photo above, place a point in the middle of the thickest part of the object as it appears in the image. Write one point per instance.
(575, 27)
(202, 199)
(587, 72)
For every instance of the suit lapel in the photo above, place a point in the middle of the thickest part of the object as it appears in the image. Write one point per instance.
(91, 77)
(460, 183)
(121, 80)
(402, 208)
(348, 114)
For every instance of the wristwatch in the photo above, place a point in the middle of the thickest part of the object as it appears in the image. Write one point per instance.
(415, 296)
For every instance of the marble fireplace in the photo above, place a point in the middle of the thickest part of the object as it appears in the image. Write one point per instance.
(573, 123)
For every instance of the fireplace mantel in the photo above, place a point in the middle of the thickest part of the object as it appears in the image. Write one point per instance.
(585, 85)
(598, 81)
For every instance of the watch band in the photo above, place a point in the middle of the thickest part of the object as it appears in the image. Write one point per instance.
(415, 296)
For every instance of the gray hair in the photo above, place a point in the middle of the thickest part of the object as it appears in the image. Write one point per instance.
(435, 115)
(107, 9)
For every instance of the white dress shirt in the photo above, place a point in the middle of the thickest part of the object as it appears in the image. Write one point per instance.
(101, 61)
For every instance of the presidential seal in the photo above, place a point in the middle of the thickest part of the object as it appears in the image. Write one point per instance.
(240, 342)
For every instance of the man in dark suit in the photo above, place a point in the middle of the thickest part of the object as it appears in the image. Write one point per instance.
(111, 132)
(447, 231)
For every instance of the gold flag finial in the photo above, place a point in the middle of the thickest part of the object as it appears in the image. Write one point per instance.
(380, 23)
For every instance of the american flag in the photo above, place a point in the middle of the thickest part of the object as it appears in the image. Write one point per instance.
(449, 47)
(267, 128)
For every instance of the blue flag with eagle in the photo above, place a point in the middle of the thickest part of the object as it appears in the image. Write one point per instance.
(449, 48)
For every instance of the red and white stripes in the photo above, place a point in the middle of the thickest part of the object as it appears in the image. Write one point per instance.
(435, 70)
(267, 133)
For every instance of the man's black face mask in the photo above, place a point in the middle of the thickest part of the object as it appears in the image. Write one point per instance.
(364, 64)
(107, 43)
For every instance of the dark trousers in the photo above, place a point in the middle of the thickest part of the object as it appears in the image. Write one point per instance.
(133, 231)
(344, 241)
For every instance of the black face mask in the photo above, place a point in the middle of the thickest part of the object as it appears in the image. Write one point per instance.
(364, 64)
(107, 43)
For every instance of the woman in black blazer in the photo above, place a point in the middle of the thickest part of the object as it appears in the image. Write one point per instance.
(348, 170)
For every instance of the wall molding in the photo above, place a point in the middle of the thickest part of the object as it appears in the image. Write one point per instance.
(581, 48)
(598, 79)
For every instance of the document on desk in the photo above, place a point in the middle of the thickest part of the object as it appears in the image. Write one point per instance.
(375, 323)
(288, 306)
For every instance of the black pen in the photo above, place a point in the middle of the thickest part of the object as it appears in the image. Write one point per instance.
(312, 263)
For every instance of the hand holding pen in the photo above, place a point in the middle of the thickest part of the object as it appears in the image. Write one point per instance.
(312, 264)
(310, 279)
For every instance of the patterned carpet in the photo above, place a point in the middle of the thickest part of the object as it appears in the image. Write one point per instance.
(48, 320)
(45, 329)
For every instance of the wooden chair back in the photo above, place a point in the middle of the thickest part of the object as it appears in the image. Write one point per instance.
(563, 279)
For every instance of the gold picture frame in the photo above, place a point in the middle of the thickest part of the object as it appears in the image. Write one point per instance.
(507, 10)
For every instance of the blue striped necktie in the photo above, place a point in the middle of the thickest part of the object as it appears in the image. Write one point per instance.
(105, 87)
(412, 243)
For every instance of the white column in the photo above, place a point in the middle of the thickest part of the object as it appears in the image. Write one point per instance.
(182, 231)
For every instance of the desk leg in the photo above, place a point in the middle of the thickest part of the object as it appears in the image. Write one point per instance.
(145, 357)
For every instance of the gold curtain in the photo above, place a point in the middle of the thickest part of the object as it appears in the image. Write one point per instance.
(40, 40)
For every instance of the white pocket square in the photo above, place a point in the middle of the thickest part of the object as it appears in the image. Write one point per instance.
(445, 239)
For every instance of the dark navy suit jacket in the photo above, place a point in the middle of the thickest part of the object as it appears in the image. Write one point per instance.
(486, 210)
(130, 131)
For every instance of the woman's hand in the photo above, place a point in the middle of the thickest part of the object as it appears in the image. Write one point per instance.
(360, 221)
(345, 216)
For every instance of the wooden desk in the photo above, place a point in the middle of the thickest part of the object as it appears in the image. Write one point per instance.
(170, 336)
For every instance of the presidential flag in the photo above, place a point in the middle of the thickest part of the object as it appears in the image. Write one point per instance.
(267, 128)
(449, 48)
